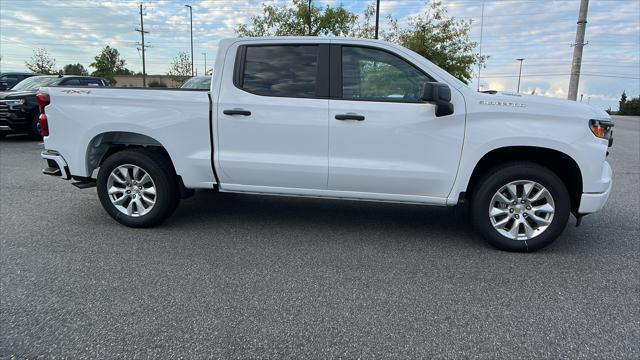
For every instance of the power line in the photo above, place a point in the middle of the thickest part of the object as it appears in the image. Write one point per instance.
(565, 74)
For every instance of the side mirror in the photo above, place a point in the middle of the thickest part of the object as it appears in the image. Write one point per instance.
(3, 86)
(440, 95)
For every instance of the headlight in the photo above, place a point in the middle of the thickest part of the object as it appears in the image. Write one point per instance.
(16, 102)
(601, 128)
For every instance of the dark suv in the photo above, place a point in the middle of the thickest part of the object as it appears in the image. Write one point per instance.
(10, 79)
(18, 107)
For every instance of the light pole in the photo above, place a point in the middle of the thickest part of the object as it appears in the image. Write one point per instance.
(520, 73)
(205, 63)
(377, 17)
(309, 10)
(191, 17)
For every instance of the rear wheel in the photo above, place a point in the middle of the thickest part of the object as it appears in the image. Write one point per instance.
(138, 187)
(520, 207)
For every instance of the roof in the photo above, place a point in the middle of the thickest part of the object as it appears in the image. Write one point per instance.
(301, 38)
(18, 73)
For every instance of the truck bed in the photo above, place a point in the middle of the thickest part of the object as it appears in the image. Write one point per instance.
(177, 119)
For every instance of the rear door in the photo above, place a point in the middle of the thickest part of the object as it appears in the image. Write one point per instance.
(384, 141)
(272, 117)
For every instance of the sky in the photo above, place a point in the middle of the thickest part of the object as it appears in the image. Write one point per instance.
(542, 32)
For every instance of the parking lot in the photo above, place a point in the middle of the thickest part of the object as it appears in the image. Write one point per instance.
(238, 276)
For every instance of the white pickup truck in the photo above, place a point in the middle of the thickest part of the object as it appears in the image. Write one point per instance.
(335, 118)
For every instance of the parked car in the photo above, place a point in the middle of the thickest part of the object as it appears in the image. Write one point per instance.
(198, 82)
(18, 107)
(10, 79)
(335, 118)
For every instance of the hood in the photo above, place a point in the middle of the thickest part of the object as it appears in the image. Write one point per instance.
(10, 94)
(542, 105)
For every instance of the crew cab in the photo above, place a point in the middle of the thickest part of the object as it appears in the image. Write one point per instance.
(18, 108)
(335, 118)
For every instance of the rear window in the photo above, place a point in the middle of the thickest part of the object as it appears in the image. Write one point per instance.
(91, 82)
(71, 82)
(36, 82)
(281, 70)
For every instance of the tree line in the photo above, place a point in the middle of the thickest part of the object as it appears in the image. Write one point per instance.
(107, 64)
(433, 34)
(628, 106)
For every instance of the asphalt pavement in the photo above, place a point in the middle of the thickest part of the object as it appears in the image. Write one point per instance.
(239, 276)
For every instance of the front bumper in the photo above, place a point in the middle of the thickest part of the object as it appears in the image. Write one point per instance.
(592, 202)
(14, 118)
(56, 165)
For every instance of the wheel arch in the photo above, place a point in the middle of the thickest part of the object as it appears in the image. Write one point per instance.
(105, 144)
(557, 161)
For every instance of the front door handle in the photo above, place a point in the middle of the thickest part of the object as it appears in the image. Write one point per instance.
(237, 112)
(349, 117)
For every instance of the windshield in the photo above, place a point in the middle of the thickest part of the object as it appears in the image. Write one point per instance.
(35, 82)
(200, 82)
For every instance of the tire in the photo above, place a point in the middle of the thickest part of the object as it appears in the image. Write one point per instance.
(534, 221)
(149, 208)
(34, 130)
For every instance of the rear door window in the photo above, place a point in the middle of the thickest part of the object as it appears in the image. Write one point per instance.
(281, 70)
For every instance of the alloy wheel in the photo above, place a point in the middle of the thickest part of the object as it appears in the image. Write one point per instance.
(131, 190)
(521, 210)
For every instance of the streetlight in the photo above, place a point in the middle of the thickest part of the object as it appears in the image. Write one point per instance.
(205, 63)
(520, 73)
(191, 17)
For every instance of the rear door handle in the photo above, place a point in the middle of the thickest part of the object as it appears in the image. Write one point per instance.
(349, 117)
(237, 112)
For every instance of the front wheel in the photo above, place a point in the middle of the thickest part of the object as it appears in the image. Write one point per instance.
(520, 207)
(138, 187)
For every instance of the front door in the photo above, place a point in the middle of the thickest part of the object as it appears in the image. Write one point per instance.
(383, 140)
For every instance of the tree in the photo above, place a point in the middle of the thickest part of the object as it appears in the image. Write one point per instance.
(365, 27)
(441, 39)
(623, 100)
(294, 21)
(41, 62)
(108, 63)
(180, 69)
(75, 69)
(629, 106)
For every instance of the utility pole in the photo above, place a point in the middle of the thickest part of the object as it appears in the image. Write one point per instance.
(191, 17)
(481, 30)
(309, 10)
(520, 73)
(143, 46)
(577, 51)
(205, 63)
(377, 16)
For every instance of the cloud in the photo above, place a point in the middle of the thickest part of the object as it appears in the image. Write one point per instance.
(541, 32)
